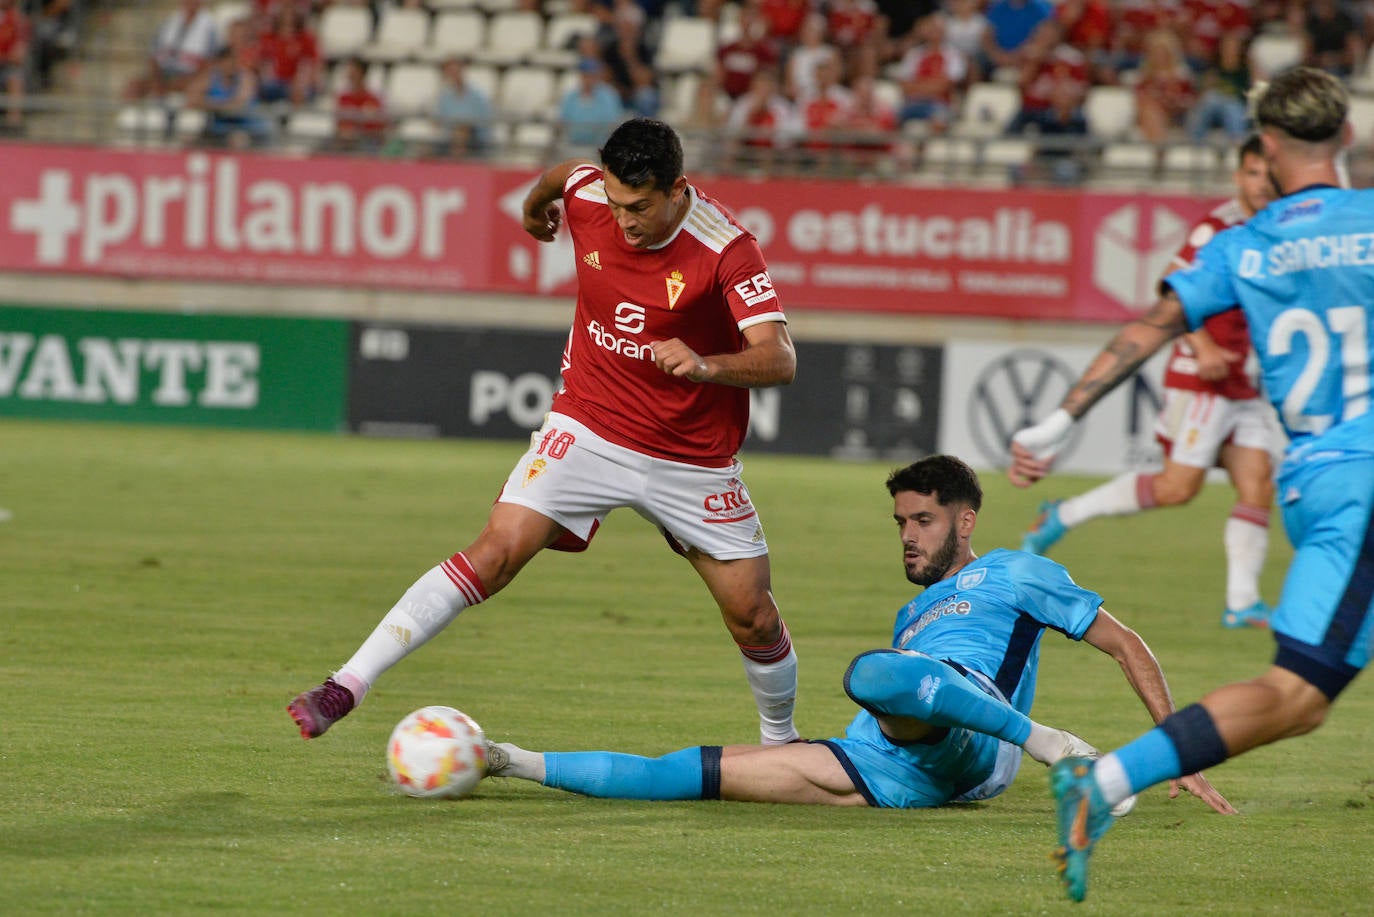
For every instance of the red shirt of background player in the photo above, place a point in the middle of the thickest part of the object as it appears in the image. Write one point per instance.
(1228, 329)
(705, 284)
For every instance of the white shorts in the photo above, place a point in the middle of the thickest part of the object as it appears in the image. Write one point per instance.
(576, 478)
(1193, 426)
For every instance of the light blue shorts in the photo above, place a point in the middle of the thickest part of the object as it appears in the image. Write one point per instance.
(1324, 622)
(963, 767)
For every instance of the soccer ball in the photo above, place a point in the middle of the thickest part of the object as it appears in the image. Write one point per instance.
(437, 752)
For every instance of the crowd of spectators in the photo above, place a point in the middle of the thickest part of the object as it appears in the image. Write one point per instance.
(791, 79)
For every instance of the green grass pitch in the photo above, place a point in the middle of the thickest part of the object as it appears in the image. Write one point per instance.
(164, 592)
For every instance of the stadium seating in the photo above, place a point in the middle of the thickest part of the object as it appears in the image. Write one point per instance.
(402, 33)
(987, 110)
(512, 36)
(687, 43)
(456, 33)
(1110, 112)
(1274, 52)
(411, 89)
(344, 31)
(527, 92)
(559, 37)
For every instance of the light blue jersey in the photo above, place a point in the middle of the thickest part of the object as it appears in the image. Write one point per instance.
(1302, 270)
(989, 616)
(985, 622)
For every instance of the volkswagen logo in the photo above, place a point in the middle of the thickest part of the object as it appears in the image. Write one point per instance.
(1014, 391)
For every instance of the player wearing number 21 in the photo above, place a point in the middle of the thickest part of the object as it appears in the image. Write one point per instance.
(676, 320)
(1303, 272)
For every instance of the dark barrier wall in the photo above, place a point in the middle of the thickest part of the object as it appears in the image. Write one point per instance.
(219, 370)
(849, 400)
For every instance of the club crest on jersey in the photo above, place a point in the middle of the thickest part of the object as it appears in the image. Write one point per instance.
(970, 579)
(533, 470)
(592, 259)
(675, 287)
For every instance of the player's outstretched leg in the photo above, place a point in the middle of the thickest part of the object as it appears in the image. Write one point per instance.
(1083, 817)
(692, 773)
(1046, 530)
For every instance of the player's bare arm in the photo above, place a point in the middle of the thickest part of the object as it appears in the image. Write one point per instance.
(1135, 343)
(1146, 678)
(1033, 449)
(541, 217)
(768, 358)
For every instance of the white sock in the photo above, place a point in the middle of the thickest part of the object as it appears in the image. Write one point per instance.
(426, 608)
(1247, 542)
(1044, 743)
(1111, 780)
(775, 693)
(527, 765)
(1120, 496)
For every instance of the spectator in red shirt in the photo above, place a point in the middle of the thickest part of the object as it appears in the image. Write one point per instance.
(290, 60)
(1054, 79)
(762, 121)
(825, 110)
(870, 125)
(360, 116)
(785, 18)
(738, 61)
(853, 26)
(930, 72)
(1165, 91)
(14, 49)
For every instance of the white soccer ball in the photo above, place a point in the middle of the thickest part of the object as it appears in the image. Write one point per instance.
(437, 752)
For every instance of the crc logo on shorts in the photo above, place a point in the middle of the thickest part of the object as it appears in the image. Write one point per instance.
(757, 289)
(729, 506)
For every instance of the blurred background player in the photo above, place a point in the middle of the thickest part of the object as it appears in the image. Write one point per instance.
(1303, 273)
(944, 711)
(676, 320)
(1212, 416)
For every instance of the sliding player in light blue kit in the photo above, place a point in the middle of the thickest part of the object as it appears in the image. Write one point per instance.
(944, 713)
(1303, 272)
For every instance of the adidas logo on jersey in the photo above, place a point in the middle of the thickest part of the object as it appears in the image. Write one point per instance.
(592, 259)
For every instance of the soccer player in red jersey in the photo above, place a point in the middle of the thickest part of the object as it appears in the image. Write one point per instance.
(676, 320)
(1213, 415)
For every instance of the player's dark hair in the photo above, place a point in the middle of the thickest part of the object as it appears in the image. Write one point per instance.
(947, 477)
(1251, 147)
(642, 152)
(1305, 103)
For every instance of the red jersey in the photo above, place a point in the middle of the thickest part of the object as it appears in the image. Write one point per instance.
(352, 109)
(14, 32)
(1228, 328)
(740, 60)
(286, 53)
(706, 284)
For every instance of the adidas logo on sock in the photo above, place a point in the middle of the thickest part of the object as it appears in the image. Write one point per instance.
(592, 259)
(402, 634)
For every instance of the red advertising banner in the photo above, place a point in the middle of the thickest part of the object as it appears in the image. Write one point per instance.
(454, 227)
(1074, 256)
(236, 218)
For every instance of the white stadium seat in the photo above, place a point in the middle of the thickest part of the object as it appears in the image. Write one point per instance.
(687, 43)
(457, 33)
(1110, 112)
(483, 78)
(987, 110)
(412, 89)
(527, 92)
(512, 36)
(560, 37)
(401, 34)
(1273, 52)
(344, 31)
